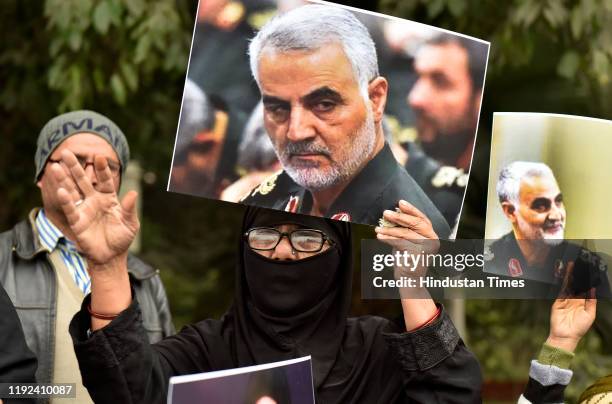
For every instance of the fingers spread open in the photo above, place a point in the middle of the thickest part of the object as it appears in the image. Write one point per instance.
(68, 206)
(77, 172)
(103, 173)
(128, 205)
(64, 180)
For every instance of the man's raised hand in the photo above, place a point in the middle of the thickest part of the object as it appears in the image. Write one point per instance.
(102, 227)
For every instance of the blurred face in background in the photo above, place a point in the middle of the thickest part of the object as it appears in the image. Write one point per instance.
(443, 99)
(223, 14)
(208, 10)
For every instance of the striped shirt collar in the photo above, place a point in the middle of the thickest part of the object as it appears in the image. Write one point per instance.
(49, 235)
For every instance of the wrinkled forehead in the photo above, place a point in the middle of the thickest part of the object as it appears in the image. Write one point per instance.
(328, 62)
(532, 187)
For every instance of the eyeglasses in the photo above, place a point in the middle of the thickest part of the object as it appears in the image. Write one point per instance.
(302, 240)
(115, 168)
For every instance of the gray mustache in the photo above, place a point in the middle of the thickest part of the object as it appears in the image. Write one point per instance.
(553, 223)
(305, 147)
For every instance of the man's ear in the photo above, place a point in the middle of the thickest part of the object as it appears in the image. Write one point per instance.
(40, 177)
(509, 211)
(377, 92)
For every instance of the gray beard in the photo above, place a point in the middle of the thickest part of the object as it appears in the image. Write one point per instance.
(532, 235)
(315, 179)
(553, 242)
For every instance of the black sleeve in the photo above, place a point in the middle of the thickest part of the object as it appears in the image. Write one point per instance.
(118, 365)
(17, 363)
(438, 367)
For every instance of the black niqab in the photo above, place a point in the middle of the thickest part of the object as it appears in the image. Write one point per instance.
(350, 359)
(318, 330)
(287, 288)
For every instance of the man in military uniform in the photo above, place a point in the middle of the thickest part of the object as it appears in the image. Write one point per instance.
(324, 102)
(535, 249)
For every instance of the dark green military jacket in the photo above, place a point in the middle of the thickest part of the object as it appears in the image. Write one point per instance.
(504, 257)
(444, 185)
(379, 186)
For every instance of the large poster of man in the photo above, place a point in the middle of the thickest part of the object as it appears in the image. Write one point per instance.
(321, 109)
(549, 191)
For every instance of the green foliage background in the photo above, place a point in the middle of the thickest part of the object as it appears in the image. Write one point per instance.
(127, 59)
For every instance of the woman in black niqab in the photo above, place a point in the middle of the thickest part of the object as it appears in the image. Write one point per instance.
(293, 308)
(285, 309)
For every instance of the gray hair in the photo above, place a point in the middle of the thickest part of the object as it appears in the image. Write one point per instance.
(509, 183)
(310, 27)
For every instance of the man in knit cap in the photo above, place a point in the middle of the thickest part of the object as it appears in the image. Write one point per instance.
(40, 266)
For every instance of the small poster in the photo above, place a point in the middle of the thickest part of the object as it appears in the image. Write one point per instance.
(286, 382)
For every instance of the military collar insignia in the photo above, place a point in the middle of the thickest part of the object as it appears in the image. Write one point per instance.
(267, 185)
(293, 204)
(514, 268)
(343, 216)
